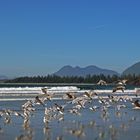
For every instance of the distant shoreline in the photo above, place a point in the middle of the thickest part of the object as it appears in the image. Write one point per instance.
(60, 84)
(49, 84)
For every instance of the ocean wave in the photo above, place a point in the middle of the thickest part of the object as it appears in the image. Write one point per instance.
(24, 93)
(38, 89)
(117, 92)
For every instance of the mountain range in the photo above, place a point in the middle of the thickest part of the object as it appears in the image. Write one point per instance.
(3, 77)
(89, 70)
(94, 70)
(134, 69)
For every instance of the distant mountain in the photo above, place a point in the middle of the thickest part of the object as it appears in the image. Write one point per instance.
(89, 70)
(2, 77)
(134, 69)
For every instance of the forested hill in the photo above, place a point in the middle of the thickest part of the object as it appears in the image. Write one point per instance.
(75, 79)
(64, 79)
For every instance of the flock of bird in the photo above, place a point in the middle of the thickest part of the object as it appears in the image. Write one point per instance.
(73, 104)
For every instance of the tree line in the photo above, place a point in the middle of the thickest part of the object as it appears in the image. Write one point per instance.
(132, 79)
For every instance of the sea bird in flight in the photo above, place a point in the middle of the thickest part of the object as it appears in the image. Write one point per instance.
(122, 88)
(38, 100)
(137, 104)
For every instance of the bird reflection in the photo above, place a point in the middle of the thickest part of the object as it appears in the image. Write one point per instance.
(27, 133)
(77, 132)
(102, 135)
(26, 124)
(1, 130)
(59, 138)
(47, 132)
(92, 124)
(113, 132)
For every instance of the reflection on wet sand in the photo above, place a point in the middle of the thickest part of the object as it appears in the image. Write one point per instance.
(27, 131)
(47, 133)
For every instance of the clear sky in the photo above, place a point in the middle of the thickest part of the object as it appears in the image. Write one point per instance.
(38, 37)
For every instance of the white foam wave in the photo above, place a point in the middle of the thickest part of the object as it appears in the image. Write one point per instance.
(118, 92)
(23, 99)
(37, 89)
(23, 93)
(57, 89)
(65, 88)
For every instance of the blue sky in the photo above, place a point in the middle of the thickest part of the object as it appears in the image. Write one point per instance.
(38, 37)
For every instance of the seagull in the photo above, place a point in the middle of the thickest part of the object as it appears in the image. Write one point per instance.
(7, 120)
(102, 82)
(88, 94)
(137, 104)
(93, 108)
(122, 82)
(120, 106)
(71, 96)
(81, 103)
(7, 112)
(44, 90)
(59, 108)
(81, 100)
(46, 94)
(119, 88)
(37, 100)
(74, 111)
(29, 103)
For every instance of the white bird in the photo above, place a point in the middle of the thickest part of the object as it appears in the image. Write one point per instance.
(121, 87)
(39, 101)
(59, 108)
(69, 96)
(94, 108)
(102, 82)
(136, 104)
(44, 90)
(122, 82)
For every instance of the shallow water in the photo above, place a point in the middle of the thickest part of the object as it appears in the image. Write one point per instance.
(114, 125)
(111, 124)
